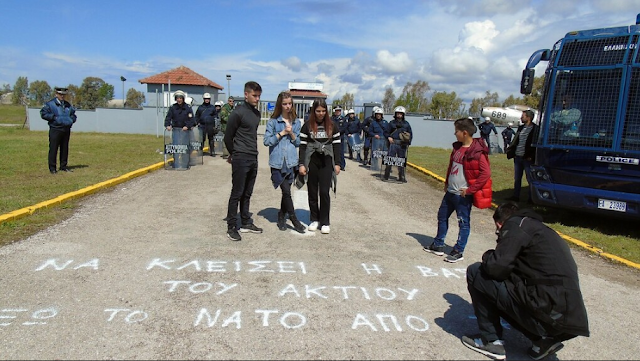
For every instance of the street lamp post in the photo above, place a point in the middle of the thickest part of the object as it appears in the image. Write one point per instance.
(229, 85)
(123, 80)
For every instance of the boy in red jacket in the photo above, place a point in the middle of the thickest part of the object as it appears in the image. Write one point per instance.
(468, 173)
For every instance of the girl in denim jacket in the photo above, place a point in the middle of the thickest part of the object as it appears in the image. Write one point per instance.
(282, 136)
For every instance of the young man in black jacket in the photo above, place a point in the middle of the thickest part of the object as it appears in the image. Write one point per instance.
(241, 140)
(530, 280)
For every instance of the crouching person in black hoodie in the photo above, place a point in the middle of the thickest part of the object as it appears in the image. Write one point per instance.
(530, 280)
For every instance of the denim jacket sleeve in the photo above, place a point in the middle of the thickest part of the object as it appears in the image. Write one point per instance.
(297, 125)
(270, 133)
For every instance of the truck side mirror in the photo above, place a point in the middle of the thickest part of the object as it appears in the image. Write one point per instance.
(526, 84)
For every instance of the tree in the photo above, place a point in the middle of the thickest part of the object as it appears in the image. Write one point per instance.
(533, 100)
(489, 100)
(414, 97)
(511, 100)
(134, 99)
(6, 88)
(40, 92)
(347, 102)
(446, 105)
(20, 91)
(72, 94)
(389, 99)
(94, 93)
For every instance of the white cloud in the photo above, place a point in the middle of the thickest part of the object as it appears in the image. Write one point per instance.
(398, 63)
(502, 69)
(294, 63)
(479, 34)
(481, 8)
(459, 63)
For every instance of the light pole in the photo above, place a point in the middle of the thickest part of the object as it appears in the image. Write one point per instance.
(123, 80)
(229, 85)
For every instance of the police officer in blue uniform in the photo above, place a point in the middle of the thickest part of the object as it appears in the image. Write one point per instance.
(180, 114)
(206, 120)
(342, 125)
(397, 143)
(353, 127)
(367, 138)
(61, 116)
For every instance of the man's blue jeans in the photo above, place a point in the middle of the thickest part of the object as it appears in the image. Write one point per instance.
(520, 165)
(462, 206)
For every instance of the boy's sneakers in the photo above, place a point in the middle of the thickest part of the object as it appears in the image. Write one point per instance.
(325, 229)
(313, 226)
(437, 250)
(233, 234)
(494, 349)
(454, 256)
(544, 347)
(245, 228)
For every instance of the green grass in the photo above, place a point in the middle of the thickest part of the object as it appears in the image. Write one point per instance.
(615, 236)
(95, 157)
(12, 114)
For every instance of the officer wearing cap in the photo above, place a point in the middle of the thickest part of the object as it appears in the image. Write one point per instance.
(61, 116)
(206, 119)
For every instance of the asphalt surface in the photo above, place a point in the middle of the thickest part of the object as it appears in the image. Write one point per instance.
(145, 270)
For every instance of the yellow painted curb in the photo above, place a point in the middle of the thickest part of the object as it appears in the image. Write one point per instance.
(26, 211)
(575, 241)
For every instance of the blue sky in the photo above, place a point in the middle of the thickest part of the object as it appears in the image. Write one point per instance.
(360, 47)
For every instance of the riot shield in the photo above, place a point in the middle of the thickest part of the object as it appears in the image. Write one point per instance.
(356, 143)
(176, 149)
(378, 151)
(494, 147)
(218, 139)
(195, 146)
(395, 162)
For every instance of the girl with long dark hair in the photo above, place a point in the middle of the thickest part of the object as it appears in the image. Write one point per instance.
(320, 149)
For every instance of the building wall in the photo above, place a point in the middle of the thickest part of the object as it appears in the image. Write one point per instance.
(193, 91)
(109, 120)
(148, 120)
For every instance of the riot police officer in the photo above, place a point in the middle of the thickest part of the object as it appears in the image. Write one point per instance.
(342, 125)
(399, 134)
(180, 114)
(353, 127)
(366, 123)
(206, 120)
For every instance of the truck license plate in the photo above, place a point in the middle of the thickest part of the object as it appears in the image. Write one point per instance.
(612, 205)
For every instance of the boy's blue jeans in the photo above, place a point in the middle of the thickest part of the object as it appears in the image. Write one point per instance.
(521, 165)
(462, 205)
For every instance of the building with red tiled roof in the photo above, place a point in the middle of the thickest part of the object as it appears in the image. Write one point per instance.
(163, 85)
(306, 92)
